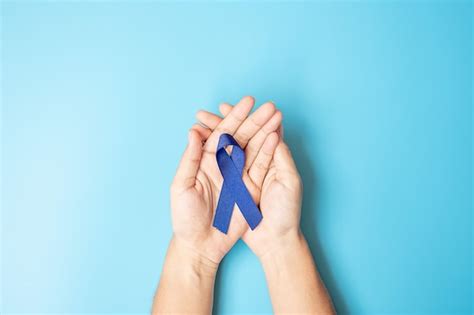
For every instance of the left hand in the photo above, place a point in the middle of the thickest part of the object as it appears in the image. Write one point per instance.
(198, 182)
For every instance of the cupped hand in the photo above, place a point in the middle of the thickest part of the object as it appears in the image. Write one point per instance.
(280, 199)
(198, 182)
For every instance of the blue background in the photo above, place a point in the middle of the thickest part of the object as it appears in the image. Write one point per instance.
(97, 99)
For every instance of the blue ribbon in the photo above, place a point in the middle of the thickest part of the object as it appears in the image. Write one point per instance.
(233, 189)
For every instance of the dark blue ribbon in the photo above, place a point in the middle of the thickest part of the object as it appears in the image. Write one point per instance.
(233, 189)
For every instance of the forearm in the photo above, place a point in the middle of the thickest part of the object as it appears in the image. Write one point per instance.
(187, 282)
(293, 281)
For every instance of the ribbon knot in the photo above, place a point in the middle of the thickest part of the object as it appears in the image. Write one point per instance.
(233, 189)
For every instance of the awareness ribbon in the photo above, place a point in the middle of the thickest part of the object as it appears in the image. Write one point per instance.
(233, 189)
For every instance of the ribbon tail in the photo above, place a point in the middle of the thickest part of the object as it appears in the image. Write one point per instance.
(223, 214)
(247, 206)
(241, 196)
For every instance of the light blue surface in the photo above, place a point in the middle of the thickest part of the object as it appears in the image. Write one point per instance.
(98, 98)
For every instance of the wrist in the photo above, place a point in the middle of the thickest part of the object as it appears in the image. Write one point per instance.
(190, 260)
(283, 246)
(293, 280)
(186, 282)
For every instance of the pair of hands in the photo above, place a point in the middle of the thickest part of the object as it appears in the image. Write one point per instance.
(187, 280)
(269, 174)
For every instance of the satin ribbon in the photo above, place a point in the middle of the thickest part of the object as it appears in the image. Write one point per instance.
(233, 189)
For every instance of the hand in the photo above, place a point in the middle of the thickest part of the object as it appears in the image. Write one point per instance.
(198, 182)
(270, 175)
(280, 203)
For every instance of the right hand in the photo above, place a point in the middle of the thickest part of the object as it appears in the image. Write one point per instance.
(280, 201)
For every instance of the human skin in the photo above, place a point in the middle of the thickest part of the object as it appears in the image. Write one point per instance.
(196, 248)
(187, 281)
(292, 277)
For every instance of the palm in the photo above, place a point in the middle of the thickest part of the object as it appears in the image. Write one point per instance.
(197, 206)
(280, 201)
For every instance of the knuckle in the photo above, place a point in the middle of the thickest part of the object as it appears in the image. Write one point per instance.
(251, 150)
(243, 136)
(195, 160)
(253, 122)
(221, 129)
(236, 117)
(260, 165)
(266, 154)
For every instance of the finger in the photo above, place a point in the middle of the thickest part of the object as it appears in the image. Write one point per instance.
(236, 116)
(231, 122)
(185, 177)
(225, 109)
(283, 160)
(254, 145)
(212, 120)
(204, 132)
(260, 166)
(285, 168)
(208, 119)
(248, 128)
(254, 123)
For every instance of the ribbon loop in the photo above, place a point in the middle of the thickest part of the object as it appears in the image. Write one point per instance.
(233, 189)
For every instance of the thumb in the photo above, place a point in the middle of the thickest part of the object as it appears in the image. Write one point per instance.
(190, 162)
(283, 159)
(285, 168)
